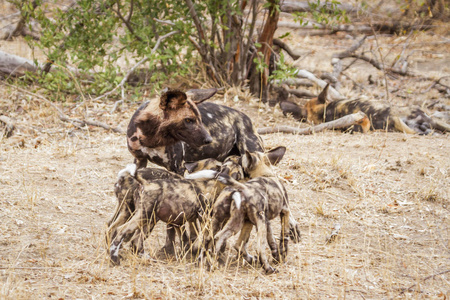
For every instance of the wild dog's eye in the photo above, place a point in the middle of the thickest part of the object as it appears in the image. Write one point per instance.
(189, 120)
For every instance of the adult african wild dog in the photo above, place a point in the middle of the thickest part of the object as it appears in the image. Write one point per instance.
(165, 136)
(174, 200)
(381, 116)
(254, 203)
(161, 123)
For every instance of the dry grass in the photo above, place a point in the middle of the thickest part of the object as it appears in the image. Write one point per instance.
(388, 191)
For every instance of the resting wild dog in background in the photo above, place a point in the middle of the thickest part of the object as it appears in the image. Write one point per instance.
(254, 203)
(174, 200)
(381, 116)
(232, 133)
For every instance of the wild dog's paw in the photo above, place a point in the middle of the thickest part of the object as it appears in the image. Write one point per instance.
(271, 270)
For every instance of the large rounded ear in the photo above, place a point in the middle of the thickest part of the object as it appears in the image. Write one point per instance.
(172, 99)
(323, 95)
(276, 154)
(247, 160)
(191, 166)
(200, 95)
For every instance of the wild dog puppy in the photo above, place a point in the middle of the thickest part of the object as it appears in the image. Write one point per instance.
(129, 180)
(255, 203)
(175, 137)
(161, 123)
(381, 116)
(175, 201)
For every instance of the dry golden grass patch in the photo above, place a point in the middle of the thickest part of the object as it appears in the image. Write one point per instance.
(387, 191)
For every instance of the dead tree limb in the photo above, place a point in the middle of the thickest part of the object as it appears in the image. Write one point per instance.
(15, 65)
(335, 95)
(295, 82)
(301, 94)
(292, 53)
(349, 120)
(20, 28)
(304, 6)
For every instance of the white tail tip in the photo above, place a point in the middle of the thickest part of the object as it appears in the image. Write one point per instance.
(203, 174)
(237, 199)
(130, 169)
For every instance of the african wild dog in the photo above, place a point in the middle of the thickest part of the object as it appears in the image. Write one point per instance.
(159, 124)
(381, 116)
(128, 182)
(254, 203)
(174, 200)
(232, 133)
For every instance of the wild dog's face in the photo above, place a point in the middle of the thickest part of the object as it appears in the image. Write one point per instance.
(204, 164)
(258, 164)
(182, 118)
(314, 108)
(232, 167)
(124, 189)
(174, 118)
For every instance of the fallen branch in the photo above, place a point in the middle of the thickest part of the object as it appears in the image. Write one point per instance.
(335, 95)
(63, 117)
(292, 53)
(301, 94)
(9, 125)
(304, 6)
(346, 121)
(295, 82)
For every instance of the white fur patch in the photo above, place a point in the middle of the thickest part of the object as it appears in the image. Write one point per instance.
(114, 250)
(156, 152)
(203, 174)
(130, 169)
(237, 199)
(209, 115)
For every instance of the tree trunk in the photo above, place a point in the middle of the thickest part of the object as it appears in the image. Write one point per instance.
(259, 80)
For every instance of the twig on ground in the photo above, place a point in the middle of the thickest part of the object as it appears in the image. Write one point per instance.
(343, 122)
(426, 278)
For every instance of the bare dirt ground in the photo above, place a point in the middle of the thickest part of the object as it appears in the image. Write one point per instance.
(388, 191)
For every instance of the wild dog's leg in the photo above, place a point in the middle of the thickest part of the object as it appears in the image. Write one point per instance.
(241, 243)
(294, 230)
(123, 215)
(284, 237)
(233, 226)
(125, 232)
(261, 241)
(272, 243)
(169, 247)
